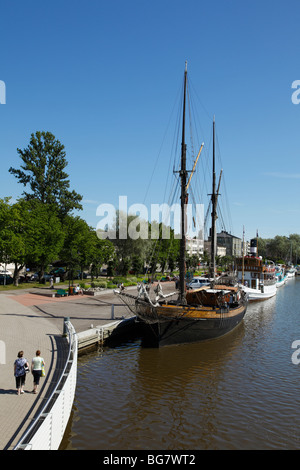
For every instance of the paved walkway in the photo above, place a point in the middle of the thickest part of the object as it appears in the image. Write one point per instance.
(21, 329)
(32, 319)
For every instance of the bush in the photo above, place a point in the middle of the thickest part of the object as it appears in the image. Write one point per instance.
(102, 284)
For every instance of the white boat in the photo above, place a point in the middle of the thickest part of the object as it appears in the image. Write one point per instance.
(257, 277)
(291, 272)
(281, 276)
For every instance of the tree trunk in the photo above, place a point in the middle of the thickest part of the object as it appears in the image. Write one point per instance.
(17, 274)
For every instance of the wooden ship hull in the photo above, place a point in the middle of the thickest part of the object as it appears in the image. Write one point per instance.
(208, 314)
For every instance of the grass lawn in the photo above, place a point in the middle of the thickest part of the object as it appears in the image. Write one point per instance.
(29, 285)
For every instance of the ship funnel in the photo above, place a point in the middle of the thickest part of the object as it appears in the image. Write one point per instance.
(253, 247)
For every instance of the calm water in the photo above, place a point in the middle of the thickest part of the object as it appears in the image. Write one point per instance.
(238, 392)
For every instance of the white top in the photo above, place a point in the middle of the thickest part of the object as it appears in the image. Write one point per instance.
(37, 363)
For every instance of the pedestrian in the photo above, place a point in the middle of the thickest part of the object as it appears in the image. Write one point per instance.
(51, 283)
(78, 290)
(37, 365)
(20, 372)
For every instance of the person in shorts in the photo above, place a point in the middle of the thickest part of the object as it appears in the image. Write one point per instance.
(37, 364)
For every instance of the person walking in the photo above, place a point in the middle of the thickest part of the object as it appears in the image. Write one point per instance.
(20, 371)
(37, 365)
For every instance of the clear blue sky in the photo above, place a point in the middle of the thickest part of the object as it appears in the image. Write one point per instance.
(103, 77)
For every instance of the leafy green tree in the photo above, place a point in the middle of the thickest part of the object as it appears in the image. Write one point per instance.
(137, 264)
(103, 253)
(30, 234)
(44, 162)
(45, 235)
(77, 243)
(192, 262)
(127, 245)
(13, 246)
(206, 257)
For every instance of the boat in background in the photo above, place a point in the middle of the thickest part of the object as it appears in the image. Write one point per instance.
(291, 272)
(281, 276)
(257, 277)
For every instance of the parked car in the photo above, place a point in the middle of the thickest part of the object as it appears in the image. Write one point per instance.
(5, 272)
(35, 277)
(76, 275)
(58, 272)
(197, 282)
(8, 279)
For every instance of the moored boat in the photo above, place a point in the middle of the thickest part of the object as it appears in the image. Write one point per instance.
(281, 276)
(291, 272)
(257, 277)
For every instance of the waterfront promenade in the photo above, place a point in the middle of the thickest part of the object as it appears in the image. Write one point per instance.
(32, 319)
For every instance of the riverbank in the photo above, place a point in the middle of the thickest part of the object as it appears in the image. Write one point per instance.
(32, 319)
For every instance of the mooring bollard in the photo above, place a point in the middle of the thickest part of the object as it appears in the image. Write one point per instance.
(112, 315)
(65, 332)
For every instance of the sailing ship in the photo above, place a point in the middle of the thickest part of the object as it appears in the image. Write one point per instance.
(257, 277)
(199, 314)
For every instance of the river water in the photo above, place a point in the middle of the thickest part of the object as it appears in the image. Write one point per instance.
(241, 391)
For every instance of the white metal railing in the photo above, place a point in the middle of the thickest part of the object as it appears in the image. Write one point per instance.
(47, 430)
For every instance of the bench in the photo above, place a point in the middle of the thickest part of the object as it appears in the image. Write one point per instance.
(61, 293)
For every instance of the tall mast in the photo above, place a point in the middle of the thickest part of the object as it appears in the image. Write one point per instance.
(243, 257)
(213, 213)
(183, 177)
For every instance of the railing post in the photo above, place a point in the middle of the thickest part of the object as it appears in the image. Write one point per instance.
(65, 331)
(112, 315)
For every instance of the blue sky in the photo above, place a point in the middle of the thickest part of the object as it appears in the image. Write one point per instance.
(104, 77)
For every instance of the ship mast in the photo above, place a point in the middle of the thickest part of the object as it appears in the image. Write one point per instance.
(183, 177)
(213, 214)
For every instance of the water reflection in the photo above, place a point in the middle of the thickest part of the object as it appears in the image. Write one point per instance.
(236, 392)
(176, 391)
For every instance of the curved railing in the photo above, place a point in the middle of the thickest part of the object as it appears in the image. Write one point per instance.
(47, 430)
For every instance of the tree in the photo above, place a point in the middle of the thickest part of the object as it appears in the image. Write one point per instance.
(44, 162)
(30, 233)
(45, 234)
(80, 245)
(127, 245)
(13, 246)
(103, 253)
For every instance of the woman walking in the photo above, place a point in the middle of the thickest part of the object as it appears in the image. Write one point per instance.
(20, 372)
(37, 365)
